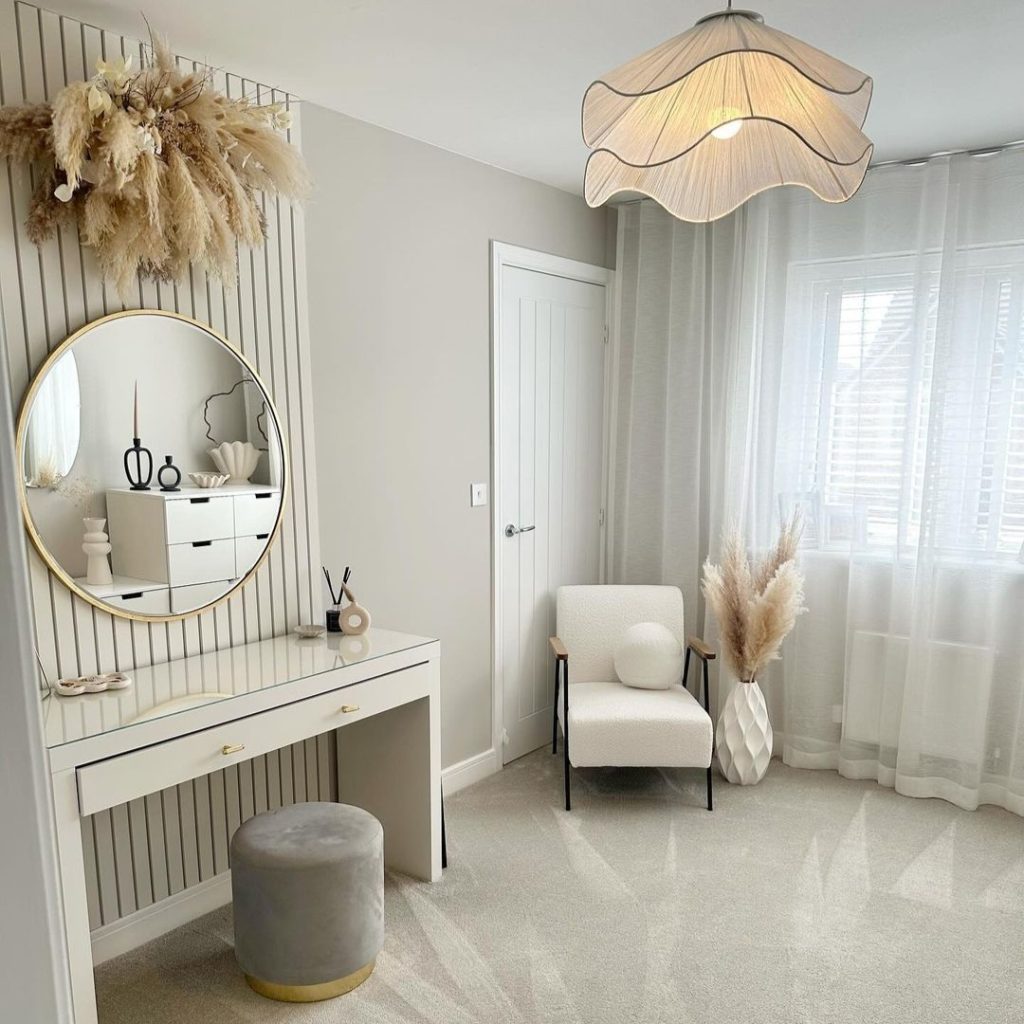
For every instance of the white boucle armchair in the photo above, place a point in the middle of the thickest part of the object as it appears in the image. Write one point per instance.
(613, 724)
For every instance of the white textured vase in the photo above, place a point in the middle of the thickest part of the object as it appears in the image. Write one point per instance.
(236, 458)
(744, 736)
(96, 545)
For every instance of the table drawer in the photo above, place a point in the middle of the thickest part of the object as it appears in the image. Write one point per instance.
(120, 779)
(200, 562)
(143, 602)
(248, 551)
(185, 599)
(206, 517)
(256, 513)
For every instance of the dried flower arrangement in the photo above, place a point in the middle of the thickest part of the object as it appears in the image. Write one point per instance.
(157, 168)
(756, 605)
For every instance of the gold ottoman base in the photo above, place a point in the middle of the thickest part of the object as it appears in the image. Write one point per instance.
(311, 993)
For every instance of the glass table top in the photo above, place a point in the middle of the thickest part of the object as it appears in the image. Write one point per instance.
(158, 691)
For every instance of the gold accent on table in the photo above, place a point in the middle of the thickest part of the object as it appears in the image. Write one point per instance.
(22, 430)
(311, 993)
(232, 748)
(347, 709)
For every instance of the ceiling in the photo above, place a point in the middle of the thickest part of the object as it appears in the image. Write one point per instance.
(502, 82)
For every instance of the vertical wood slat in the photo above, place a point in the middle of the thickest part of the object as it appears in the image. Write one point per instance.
(150, 848)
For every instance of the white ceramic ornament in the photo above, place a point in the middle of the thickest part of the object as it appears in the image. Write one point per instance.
(96, 545)
(238, 459)
(744, 736)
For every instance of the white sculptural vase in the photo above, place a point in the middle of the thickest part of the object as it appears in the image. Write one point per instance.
(744, 736)
(238, 459)
(96, 545)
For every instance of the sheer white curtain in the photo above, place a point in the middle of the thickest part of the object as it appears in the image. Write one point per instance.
(54, 428)
(864, 363)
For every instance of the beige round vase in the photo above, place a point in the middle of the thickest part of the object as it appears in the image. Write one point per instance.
(743, 739)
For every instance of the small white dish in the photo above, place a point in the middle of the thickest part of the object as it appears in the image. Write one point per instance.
(309, 630)
(117, 681)
(94, 684)
(69, 687)
(209, 480)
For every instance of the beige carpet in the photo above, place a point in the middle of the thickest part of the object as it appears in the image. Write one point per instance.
(808, 898)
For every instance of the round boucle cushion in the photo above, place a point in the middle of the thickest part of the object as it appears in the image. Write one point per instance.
(649, 657)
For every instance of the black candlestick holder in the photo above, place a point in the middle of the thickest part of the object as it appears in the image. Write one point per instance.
(140, 481)
(168, 468)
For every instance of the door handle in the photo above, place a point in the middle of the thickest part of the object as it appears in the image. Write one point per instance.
(511, 531)
(232, 748)
(347, 709)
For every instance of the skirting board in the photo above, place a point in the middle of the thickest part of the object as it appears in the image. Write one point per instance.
(465, 773)
(151, 922)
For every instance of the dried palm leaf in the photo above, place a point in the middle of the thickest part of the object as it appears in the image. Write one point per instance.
(25, 132)
(72, 126)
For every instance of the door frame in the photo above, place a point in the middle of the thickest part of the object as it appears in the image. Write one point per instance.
(504, 255)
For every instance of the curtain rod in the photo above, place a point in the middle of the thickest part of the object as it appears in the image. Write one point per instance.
(980, 151)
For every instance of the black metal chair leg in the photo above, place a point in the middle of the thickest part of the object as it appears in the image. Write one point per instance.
(565, 744)
(711, 805)
(554, 710)
(444, 837)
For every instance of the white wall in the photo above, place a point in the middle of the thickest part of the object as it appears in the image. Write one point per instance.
(140, 853)
(34, 983)
(398, 239)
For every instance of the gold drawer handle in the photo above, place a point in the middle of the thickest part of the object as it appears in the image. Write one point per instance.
(347, 709)
(232, 748)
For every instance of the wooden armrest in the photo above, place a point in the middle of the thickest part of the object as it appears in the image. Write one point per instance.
(701, 649)
(559, 648)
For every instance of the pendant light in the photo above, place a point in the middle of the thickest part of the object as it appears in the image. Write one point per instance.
(728, 109)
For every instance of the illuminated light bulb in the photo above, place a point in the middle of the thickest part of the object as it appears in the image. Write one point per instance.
(727, 130)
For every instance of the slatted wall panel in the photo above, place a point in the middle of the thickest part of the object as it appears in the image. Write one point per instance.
(149, 849)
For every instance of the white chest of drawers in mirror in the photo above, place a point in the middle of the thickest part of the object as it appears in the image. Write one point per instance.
(172, 551)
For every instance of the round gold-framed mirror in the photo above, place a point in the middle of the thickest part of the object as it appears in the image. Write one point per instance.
(153, 469)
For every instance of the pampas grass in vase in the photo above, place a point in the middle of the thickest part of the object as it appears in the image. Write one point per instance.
(756, 605)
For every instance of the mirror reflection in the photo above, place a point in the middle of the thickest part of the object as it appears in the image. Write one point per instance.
(153, 467)
(54, 431)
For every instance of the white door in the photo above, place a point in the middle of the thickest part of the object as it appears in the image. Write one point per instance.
(550, 388)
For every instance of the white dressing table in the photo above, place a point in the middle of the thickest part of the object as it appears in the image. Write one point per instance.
(187, 718)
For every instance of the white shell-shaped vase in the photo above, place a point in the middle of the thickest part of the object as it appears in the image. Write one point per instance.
(238, 459)
(744, 736)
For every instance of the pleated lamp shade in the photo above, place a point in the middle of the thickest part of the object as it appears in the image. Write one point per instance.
(722, 112)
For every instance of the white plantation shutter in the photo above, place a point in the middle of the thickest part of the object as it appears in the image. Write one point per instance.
(878, 434)
(1001, 504)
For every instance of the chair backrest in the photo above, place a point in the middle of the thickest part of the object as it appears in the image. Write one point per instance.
(592, 619)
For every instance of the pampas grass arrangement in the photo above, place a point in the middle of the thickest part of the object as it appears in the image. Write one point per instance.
(157, 168)
(756, 605)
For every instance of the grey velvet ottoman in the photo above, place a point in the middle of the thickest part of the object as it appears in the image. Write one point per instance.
(308, 889)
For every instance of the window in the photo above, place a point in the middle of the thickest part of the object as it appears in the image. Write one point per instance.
(884, 450)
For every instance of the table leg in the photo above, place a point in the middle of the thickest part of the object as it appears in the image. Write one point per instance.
(73, 893)
(389, 764)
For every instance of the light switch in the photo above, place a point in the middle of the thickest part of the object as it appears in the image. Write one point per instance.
(477, 494)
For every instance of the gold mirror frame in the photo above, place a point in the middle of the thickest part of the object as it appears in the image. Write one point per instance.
(22, 429)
